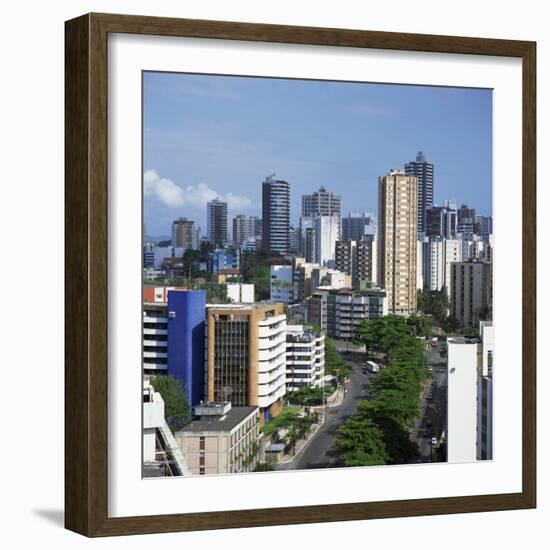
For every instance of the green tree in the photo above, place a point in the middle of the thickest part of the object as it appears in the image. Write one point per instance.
(176, 407)
(360, 442)
(334, 364)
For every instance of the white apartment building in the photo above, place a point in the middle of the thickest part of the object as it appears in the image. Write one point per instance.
(470, 396)
(305, 358)
(240, 293)
(340, 312)
(282, 284)
(462, 364)
(327, 230)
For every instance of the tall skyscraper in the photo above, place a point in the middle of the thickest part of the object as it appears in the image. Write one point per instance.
(357, 259)
(424, 172)
(326, 235)
(184, 234)
(358, 227)
(397, 234)
(321, 203)
(216, 222)
(275, 215)
(441, 221)
(466, 219)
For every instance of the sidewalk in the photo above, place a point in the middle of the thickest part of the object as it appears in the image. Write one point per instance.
(301, 444)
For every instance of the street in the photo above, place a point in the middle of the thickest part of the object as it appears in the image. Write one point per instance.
(319, 451)
(433, 411)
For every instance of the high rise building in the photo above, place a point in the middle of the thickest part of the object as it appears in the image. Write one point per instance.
(484, 226)
(216, 222)
(397, 240)
(245, 227)
(326, 235)
(424, 172)
(307, 238)
(441, 221)
(433, 266)
(471, 291)
(185, 234)
(321, 203)
(357, 259)
(358, 227)
(246, 356)
(466, 219)
(275, 215)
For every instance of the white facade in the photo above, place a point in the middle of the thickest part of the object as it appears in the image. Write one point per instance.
(331, 278)
(340, 312)
(452, 253)
(282, 284)
(419, 265)
(305, 358)
(240, 293)
(153, 418)
(326, 235)
(436, 258)
(462, 393)
(155, 334)
(271, 360)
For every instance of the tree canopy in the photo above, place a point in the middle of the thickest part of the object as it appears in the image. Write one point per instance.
(176, 407)
(380, 429)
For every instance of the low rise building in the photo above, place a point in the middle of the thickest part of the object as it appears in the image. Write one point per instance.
(282, 284)
(340, 312)
(305, 357)
(221, 439)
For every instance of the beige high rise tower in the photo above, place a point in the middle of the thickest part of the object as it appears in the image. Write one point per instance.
(397, 234)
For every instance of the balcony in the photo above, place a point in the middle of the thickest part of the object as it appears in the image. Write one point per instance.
(155, 354)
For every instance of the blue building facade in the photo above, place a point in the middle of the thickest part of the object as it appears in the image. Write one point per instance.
(186, 334)
(222, 259)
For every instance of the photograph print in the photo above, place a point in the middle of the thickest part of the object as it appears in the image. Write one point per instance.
(317, 274)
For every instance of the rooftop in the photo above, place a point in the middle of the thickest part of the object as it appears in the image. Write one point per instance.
(223, 423)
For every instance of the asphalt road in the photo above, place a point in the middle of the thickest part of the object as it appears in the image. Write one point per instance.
(433, 412)
(319, 451)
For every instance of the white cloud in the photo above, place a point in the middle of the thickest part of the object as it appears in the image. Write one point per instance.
(196, 196)
(165, 190)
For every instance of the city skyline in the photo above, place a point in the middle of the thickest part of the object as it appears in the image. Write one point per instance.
(198, 129)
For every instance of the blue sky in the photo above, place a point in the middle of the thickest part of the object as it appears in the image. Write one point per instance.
(207, 136)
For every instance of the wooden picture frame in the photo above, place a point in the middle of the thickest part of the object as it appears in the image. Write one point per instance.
(86, 280)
